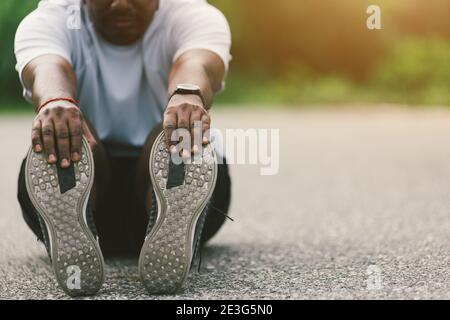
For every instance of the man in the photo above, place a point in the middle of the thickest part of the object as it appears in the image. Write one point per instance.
(102, 76)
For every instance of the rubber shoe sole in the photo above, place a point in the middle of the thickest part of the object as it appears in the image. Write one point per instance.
(166, 255)
(60, 197)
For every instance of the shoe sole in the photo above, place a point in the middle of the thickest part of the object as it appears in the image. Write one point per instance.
(166, 255)
(76, 257)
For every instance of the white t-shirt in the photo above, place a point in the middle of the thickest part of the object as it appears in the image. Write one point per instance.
(122, 89)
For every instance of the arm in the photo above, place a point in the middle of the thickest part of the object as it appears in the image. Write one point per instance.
(58, 127)
(200, 67)
(47, 77)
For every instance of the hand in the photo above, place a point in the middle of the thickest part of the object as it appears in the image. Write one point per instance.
(57, 130)
(182, 112)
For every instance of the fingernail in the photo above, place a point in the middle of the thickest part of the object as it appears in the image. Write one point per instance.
(195, 149)
(75, 156)
(38, 148)
(52, 158)
(65, 163)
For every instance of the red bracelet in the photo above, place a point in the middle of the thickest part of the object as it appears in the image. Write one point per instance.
(73, 101)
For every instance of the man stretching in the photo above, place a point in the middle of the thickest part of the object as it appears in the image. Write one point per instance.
(111, 81)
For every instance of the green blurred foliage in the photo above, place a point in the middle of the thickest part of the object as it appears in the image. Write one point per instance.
(11, 13)
(417, 69)
(312, 52)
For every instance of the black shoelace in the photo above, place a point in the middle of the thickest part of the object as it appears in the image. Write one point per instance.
(202, 245)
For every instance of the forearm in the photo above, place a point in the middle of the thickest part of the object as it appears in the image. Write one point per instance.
(199, 67)
(49, 77)
(58, 128)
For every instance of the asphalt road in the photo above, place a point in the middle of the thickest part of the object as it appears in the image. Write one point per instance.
(360, 209)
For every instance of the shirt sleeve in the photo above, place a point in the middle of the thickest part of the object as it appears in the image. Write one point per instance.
(43, 31)
(202, 26)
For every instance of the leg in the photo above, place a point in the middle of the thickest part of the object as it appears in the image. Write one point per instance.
(121, 225)
(120, 229)
(28, 211)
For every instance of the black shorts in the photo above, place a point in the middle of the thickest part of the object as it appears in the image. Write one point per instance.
(121, 222)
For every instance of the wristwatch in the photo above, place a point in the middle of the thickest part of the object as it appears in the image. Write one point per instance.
(186, 88)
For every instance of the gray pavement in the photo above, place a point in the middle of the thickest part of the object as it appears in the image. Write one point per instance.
(359, 209)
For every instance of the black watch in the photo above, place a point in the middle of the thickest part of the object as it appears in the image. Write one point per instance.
(186, 88)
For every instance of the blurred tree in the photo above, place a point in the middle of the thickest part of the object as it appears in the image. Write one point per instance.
(11, 13)
(423, 18)
(329, 36)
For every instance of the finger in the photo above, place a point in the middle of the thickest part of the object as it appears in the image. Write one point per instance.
(36, 140)
(89, 136)
(184, 116)
(75, 132)
(63, 143)
(48, 139)
(196, 134)
(206, 125)
(169, 125)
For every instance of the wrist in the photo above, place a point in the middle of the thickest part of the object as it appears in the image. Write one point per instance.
(178, 99)
(61, 101)
(188, 89)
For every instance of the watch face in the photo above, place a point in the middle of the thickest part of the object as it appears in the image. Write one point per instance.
(188, 87)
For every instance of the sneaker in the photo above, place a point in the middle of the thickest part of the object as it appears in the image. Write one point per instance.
(60, 197)
(182, 193)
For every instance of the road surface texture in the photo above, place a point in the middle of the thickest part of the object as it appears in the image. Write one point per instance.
(360, 208)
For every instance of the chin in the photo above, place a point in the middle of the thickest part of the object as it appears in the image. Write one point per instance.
(123, 36)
